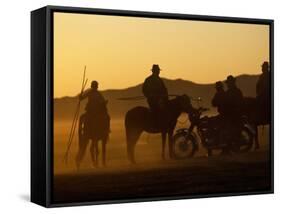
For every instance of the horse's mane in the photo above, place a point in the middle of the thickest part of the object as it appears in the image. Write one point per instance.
(178, 102)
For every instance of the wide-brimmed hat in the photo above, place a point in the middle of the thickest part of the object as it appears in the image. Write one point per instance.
(155, 67)
(230, 79)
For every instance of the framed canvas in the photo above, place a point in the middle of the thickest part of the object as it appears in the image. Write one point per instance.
(141, 106)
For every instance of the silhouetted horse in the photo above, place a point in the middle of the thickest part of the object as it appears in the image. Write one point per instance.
(98, 130)
(140, 119)
(256, 115)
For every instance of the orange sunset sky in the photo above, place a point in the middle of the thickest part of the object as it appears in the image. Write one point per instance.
(119, 51)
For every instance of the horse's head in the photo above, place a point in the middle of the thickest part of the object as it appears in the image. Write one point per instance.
(185, 103)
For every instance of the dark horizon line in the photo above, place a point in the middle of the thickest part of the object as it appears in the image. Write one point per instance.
(178, 79)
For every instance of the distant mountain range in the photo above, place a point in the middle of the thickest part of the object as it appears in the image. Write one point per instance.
(64, 107)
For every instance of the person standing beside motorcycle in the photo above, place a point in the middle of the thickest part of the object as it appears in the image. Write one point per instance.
(263, 94)
(218, 100)
(233, 99)
(233, 108)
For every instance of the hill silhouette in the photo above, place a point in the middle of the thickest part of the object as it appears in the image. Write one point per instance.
(64, 107)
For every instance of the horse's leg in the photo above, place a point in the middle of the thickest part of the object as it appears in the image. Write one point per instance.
(132, 138)
(256, 138)
(131, 151)
(82, 142)
(170, 141)
(93, 151)
(97, 152)
(164, 135)
(81, 151)
(104, 141)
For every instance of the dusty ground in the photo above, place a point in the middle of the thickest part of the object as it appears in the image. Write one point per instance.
(152, 177)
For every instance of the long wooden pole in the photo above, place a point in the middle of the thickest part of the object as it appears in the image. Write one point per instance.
(75, 119)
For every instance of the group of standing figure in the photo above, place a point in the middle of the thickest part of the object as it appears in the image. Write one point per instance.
(231, 103)
(94, 124)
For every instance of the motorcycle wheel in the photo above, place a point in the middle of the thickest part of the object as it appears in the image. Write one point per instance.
(245, 143)
(184, 146)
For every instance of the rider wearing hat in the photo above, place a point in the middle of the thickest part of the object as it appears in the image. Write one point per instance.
(154, 89)
(155, 92)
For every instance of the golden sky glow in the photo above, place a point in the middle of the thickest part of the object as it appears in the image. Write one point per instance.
(119, 51)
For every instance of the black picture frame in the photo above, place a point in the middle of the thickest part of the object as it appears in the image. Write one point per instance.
(42, 98)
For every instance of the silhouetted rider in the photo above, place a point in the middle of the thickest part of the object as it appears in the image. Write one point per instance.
(155, 92)
(96, 110)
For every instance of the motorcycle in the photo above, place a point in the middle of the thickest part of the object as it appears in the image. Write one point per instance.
(211, 136)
